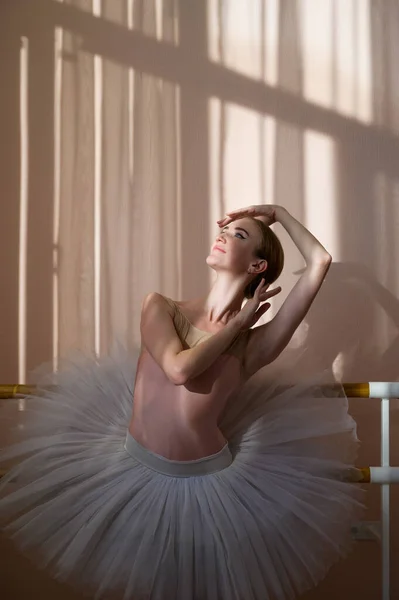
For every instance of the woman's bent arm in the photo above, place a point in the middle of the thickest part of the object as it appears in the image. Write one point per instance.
(162, 342)
(311, 249)
(268, 341)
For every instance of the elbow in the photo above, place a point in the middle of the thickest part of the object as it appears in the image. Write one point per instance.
(326, 263)
(177, 377)
(321, 260)
(175, 369)
(176, 380)
(325, 259)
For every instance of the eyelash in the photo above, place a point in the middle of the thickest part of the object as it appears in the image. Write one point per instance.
(241, 236)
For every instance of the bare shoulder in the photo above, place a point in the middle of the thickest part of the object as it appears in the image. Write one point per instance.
(154, 300)
(159, 335)
(152, 297)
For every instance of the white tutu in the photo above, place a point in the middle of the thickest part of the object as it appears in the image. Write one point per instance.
(265, 518)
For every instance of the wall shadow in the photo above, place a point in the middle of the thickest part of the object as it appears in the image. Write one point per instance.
(347, 311)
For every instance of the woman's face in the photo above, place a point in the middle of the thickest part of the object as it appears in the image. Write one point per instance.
(235, 247)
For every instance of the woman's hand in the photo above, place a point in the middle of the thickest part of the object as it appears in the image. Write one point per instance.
(268, 213)
(252, 311)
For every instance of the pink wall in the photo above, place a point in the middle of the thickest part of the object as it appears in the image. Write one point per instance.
(357, 303)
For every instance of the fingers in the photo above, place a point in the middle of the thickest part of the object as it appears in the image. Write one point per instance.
(235, 214)
(248, 210)
(260, 289)
(272, 293)
(262, 310)
(262, 294)
(264, 307)
(224, 222)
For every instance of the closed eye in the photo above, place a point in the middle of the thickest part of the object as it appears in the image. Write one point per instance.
(237, 228)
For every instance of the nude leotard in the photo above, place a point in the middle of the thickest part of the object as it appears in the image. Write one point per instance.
(193, 336)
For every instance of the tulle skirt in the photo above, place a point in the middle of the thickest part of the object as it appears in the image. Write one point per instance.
(265, 518)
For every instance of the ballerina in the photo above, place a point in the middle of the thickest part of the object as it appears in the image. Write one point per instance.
(179, 478)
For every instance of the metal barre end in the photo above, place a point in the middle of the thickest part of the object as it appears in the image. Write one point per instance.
(9, 391)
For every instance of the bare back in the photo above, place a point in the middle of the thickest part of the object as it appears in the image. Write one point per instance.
(180, 422)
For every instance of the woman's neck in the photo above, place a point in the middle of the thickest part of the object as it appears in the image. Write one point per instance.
(224, 300)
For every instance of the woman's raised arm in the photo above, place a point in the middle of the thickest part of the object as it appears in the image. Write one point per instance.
(266, 342)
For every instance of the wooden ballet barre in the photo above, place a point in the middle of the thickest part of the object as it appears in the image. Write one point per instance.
(9, 391)
(372, 389)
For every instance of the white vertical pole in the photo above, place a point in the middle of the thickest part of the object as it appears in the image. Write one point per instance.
(58, 61)
(385, 489)
(23, 211)
(98, 133)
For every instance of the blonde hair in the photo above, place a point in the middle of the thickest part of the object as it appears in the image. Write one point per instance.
(271, 250)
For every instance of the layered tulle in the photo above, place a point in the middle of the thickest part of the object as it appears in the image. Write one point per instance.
(268, 526)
